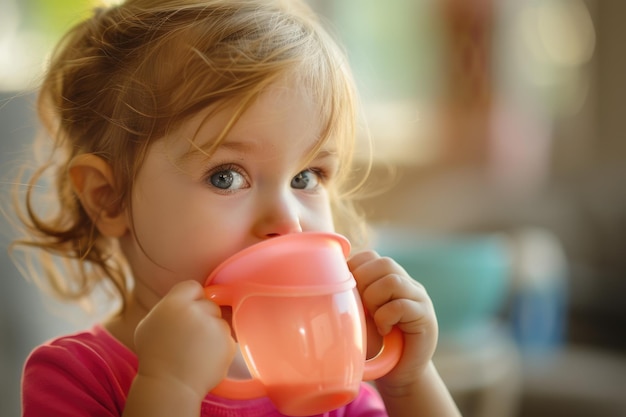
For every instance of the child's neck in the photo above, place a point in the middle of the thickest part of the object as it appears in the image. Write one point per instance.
(122, 325)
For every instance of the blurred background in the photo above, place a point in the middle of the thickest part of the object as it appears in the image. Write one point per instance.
(499, 163)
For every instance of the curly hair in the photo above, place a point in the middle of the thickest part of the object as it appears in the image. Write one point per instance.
(131, 73)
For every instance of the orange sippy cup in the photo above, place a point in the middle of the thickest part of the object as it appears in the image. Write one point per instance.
(300, 323)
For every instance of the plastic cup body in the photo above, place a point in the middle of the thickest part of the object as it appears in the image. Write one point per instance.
(309, 352)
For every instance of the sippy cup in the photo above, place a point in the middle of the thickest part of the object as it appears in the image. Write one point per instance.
(300, 323)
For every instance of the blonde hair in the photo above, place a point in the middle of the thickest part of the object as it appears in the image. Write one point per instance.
(122, 79)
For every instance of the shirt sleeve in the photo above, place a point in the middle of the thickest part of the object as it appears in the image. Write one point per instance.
(69, 380)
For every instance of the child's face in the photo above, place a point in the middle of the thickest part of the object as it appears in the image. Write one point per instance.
(191, 211)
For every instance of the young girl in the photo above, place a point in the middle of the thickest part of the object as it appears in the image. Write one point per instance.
(184, 131)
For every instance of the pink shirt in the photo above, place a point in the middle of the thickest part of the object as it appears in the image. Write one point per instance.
(90, 373)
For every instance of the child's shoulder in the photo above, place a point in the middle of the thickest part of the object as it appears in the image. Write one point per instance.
(93, 350)
(89, 372)
(96, 339)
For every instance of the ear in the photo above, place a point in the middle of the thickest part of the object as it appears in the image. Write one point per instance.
(92, 179)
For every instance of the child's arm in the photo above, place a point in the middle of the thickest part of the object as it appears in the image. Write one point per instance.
(393, 298)
(184, 350)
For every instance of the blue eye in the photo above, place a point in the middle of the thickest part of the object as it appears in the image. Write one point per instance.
(305, 180)
(227, 179)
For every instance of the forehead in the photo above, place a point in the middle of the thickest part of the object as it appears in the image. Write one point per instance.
(282, 115)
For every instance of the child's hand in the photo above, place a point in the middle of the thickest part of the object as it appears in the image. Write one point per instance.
(393, 298)
(183, 341)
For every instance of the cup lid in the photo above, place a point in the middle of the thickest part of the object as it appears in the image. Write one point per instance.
(293, 262)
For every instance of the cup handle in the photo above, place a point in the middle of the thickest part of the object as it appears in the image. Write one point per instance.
(233, 389)
(387, 358)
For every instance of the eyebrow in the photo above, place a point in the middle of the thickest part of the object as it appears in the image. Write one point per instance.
(209, 148)
(324, 153)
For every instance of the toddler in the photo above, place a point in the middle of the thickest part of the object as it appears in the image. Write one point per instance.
(182, 132)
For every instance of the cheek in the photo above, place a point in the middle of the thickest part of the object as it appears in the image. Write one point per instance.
(318, 216)
(183, 236)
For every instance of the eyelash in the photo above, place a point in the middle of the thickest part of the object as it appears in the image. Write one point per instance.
(225, 167)
(321, 173)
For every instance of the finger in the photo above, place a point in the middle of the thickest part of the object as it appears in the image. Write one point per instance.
(368, 267)
(186, 290)
(410, 316)
(361, 258)
(391, 287)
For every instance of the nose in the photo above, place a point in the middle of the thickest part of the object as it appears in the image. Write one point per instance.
(278, 214)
